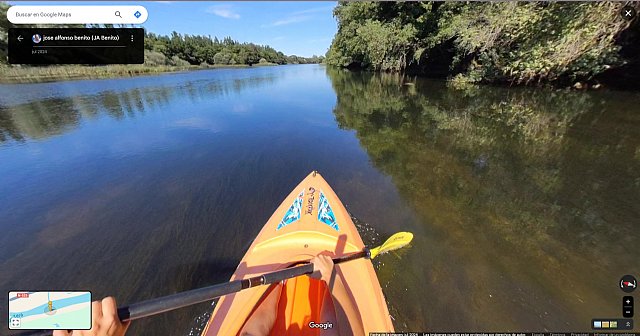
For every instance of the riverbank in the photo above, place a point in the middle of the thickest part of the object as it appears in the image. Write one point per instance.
(28, 74)
(563, 44)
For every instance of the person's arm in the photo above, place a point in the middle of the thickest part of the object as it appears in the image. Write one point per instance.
(104, 321)
(323, 269)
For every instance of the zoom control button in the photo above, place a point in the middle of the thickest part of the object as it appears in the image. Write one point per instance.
(627, 306)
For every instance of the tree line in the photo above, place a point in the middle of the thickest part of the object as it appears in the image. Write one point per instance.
(516, 42)
(198, 49)
(183, 49)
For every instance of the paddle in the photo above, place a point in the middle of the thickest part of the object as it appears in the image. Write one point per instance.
(191, 297)
(183, 299)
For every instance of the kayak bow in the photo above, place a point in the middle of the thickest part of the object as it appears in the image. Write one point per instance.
(311, 220)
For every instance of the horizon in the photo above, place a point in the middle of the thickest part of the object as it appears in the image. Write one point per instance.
(295, 28)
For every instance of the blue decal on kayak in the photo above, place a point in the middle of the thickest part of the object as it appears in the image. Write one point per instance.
(293, 214)
(325, 213)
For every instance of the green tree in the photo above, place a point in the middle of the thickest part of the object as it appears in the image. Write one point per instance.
(4, 31)
(222, 58)
(518, 42)
(200, 49)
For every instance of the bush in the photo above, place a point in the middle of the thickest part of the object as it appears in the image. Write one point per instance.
(177, 61)
(154, 58)
(517, 42)
(221, 58)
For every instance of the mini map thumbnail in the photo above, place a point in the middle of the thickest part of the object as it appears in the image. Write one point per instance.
(50, 310)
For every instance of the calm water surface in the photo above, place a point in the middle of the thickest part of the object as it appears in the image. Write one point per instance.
(524, 202)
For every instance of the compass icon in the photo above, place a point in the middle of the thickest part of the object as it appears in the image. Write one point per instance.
(628, 283)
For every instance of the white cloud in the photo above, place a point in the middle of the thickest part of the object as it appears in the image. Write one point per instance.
(288, 20)
(224, 11)
(299, 16)
(314, 10)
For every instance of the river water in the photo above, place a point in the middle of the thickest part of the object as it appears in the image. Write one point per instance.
(525, 203)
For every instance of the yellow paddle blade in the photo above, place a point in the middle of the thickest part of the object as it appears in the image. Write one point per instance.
(394, 242)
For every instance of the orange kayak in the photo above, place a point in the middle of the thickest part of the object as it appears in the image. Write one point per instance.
(309, 221)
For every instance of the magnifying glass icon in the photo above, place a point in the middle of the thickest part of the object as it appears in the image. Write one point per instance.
(118, 14)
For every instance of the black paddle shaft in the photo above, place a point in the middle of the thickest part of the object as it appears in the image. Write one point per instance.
(191, 297)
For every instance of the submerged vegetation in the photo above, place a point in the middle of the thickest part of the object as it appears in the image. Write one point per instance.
(511, 180)
(516, 42)
(460, 142)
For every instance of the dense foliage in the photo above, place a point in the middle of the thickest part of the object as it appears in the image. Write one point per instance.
(4, 26)
(196, 49)
(518, 42)
(183, 50)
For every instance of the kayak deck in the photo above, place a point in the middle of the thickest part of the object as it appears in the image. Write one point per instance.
(302, 301)
(309, 221)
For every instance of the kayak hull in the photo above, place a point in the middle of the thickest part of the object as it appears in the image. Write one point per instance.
(310, 221)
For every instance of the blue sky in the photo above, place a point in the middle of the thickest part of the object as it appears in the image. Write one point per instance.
(295, 28)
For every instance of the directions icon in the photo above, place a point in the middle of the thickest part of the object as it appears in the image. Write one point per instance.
(628, 283)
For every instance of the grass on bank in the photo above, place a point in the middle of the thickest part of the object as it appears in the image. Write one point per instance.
(36, 74)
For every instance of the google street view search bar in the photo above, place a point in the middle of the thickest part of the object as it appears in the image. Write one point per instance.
(77, 14)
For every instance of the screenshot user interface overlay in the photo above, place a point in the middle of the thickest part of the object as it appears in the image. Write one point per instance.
(101, 34)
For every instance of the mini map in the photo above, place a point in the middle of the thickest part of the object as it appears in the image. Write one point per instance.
(50, 310)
